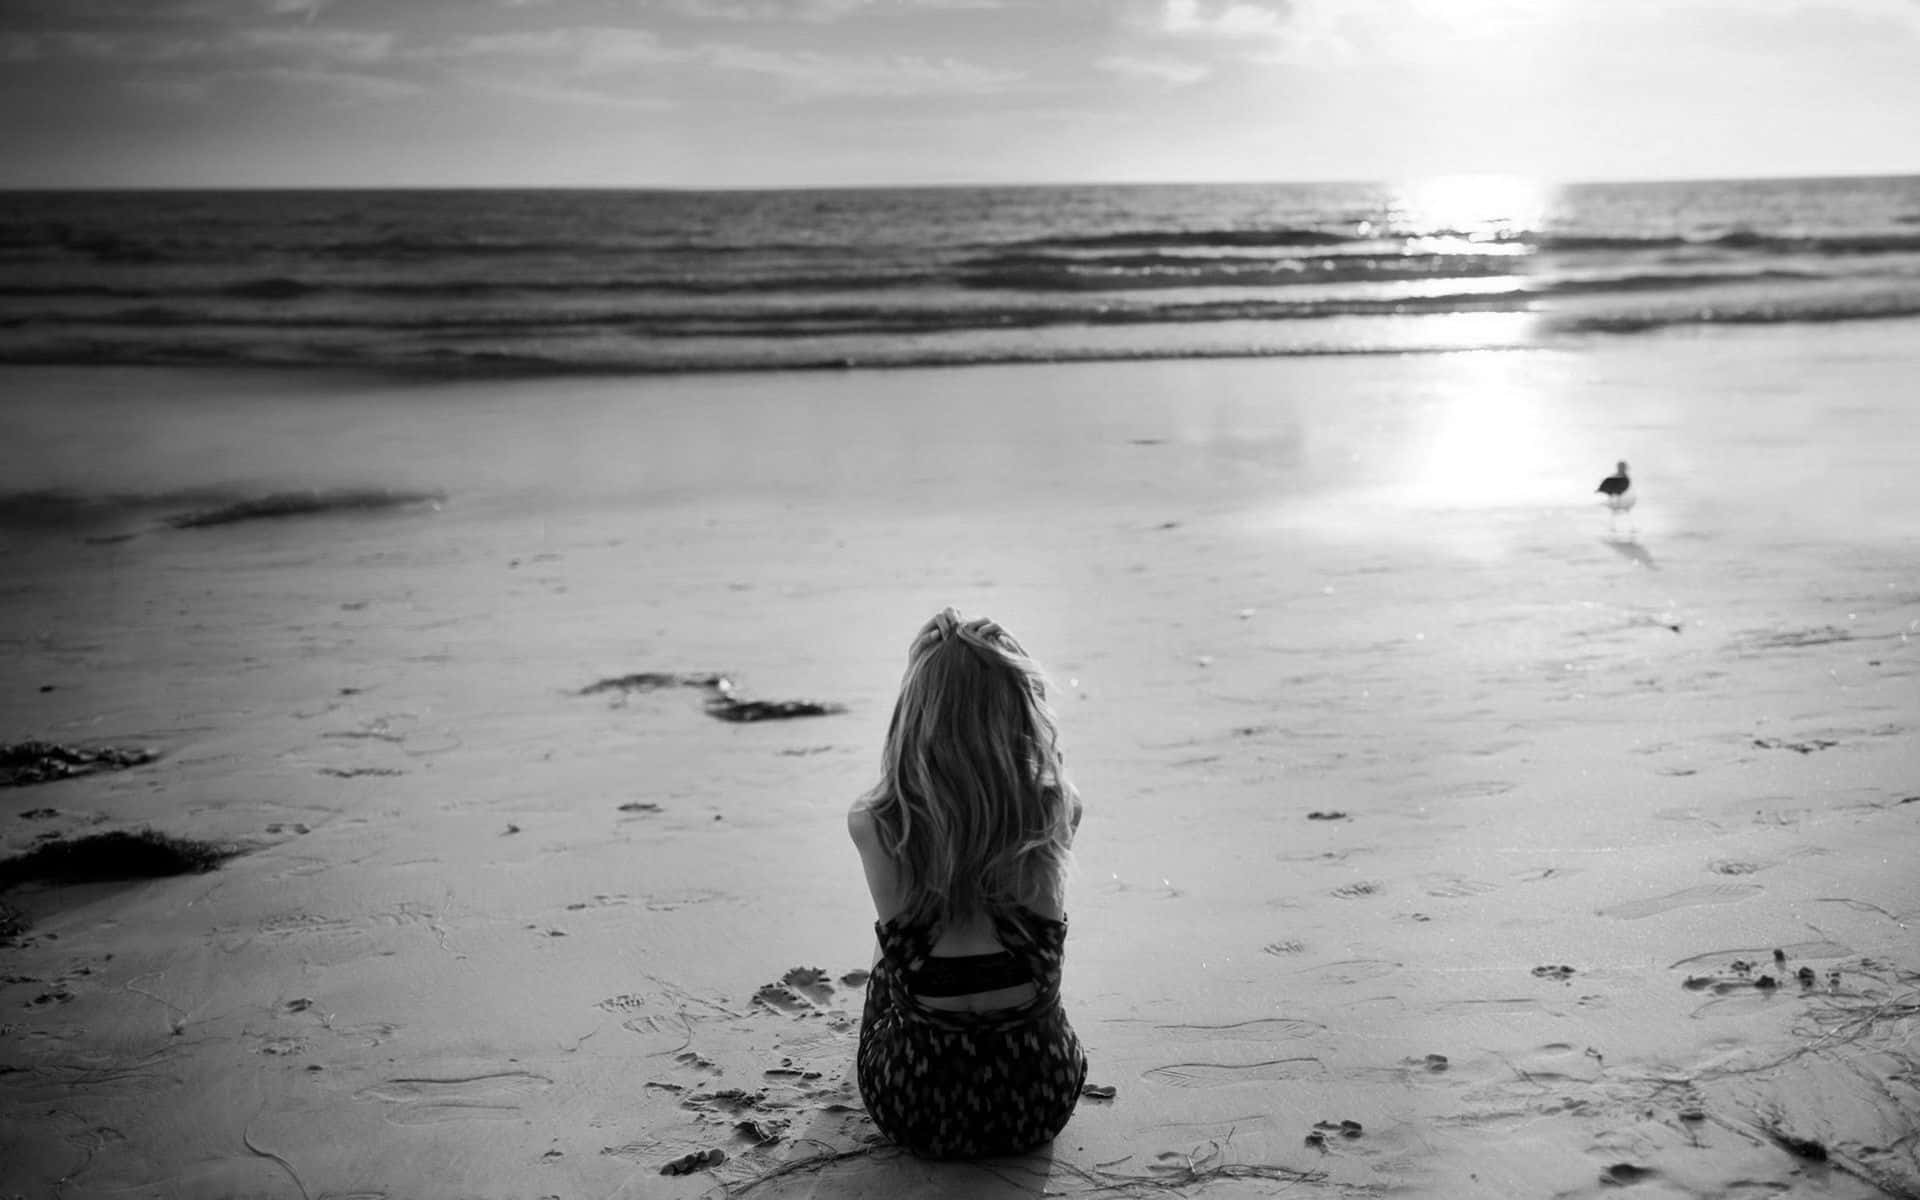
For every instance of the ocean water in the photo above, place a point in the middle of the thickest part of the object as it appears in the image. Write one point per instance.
(628, 281)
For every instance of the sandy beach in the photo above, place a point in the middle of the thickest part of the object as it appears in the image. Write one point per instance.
(1422, 794)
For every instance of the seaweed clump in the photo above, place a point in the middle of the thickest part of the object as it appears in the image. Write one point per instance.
(721, 702)
(108, 857)
(23, 763)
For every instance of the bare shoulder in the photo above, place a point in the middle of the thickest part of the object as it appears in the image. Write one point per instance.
(883, 876)
(862, 826)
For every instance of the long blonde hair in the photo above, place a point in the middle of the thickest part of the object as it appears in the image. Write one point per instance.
(973, 802)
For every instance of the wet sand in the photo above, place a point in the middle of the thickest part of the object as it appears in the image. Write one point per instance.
(1423, 795)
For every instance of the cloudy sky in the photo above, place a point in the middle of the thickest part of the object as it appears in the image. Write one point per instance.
(813, 92)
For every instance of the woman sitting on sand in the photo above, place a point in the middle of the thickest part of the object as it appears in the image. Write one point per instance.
(964, 1049)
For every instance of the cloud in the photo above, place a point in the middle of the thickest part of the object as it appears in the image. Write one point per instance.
(812, 11)
(1231, 19)
(340, 86)
(1167, 71)
(585, 47)
(124, 13)
(315, 45)
(574, 66)
(813, 74)
(132, 49)
(1331, 33)
(585, 95)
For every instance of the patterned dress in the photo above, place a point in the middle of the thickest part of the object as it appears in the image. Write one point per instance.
(961, 1084)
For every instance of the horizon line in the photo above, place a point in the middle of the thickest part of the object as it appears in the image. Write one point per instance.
(27, 189)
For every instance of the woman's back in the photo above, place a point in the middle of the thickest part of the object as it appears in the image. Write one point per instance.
(965, 1050)
(964, 949)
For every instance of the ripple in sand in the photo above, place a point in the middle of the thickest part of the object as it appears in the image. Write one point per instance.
(1212, 1075)
(1706, 893)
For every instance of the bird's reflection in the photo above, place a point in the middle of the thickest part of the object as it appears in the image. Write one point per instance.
(1630, 547)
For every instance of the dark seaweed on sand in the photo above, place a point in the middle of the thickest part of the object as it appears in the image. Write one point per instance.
(728, 709)
(301, 504)
(24, 763)
(104, 857)
(650, 681)
(722, 703)
(13, 923)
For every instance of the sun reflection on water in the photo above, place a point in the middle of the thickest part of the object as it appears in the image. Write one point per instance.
(1485, 210)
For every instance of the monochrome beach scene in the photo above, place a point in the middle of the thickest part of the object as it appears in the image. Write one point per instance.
(471, 476)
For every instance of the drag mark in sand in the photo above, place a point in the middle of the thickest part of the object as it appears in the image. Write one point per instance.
(1706, 893)
(1456, 887)
(1795, 950)
(1510, 1005)
(1352, 970)
(1212, 1075)
(1261, 1029)
(1483, 789)
(418, 1101)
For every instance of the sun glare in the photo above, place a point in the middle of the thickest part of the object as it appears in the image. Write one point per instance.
(1479, 207)
(1485, 441)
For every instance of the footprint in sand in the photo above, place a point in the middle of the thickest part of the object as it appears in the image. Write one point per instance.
(1625, 1174)
(782, 999)
(1557, 1061)
(802, 991)
(1322, 1130)
(1213, 1075)
(494, 1096)
(810, 982)
(1706, 893)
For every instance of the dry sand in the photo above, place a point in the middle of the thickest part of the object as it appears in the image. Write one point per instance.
(494, 937)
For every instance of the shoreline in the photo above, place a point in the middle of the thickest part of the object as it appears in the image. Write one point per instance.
(1510, 332)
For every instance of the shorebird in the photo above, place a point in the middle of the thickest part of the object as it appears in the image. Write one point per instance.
(1618, 490)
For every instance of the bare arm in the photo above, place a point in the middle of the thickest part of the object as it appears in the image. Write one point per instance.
(883, 876)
